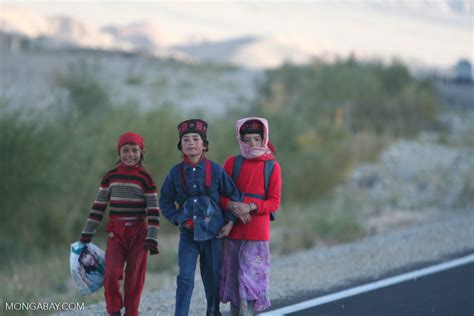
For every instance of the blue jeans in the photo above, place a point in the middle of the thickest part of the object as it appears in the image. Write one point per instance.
(209, 252)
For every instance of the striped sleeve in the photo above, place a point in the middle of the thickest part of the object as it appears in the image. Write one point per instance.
(97, 211)
(152, 208)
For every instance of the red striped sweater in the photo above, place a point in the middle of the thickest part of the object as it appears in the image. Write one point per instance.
(130, 192)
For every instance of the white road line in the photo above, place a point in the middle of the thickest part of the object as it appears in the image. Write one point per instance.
(371, 286)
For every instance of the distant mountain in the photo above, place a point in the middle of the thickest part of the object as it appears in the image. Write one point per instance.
(271, 52)
(144, 35)
(60, 30)
(218, 50)
(149, 37)
(65, 32)
(248, 51)
(69, 30)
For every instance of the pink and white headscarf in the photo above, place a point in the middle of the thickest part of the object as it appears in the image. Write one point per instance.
(249, 152)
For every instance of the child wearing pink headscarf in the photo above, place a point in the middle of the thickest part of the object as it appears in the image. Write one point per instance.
(246, 251)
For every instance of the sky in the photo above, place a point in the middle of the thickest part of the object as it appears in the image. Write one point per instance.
(418, 29)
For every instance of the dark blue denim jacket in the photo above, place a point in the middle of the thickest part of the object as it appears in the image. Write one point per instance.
(198, 204)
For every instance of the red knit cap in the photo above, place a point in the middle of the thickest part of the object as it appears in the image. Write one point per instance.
(130, 137)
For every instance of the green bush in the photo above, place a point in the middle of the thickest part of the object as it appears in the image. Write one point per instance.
(318, 112)
(87, 94)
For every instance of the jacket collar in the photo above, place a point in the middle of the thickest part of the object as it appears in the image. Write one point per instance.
(188, 162)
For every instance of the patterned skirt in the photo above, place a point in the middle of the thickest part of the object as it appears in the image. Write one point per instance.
(245, 272)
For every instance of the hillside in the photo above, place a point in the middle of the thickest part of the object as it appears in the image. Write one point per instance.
(30, 80)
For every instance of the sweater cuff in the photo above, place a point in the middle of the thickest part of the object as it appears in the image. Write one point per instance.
(230, 217)
(86, 238)
(151, 246)
(257, 202)
(152, 233)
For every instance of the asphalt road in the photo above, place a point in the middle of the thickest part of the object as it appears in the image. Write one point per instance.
(446, 292)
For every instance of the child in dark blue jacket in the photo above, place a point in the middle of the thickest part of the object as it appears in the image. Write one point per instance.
(189, 198)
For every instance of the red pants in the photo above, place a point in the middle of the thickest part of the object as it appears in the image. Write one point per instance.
(125, 244)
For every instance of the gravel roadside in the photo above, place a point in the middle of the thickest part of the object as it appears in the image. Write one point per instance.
(323, 269)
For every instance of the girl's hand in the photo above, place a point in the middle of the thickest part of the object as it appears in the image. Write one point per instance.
(246, 218)
(225, 230)
(239, 209)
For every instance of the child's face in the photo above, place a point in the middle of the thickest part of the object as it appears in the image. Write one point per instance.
(88, 260)
(253, 140)
(192, 145)
(130, 154)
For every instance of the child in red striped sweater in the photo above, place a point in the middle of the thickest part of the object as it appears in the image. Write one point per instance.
(131, 194)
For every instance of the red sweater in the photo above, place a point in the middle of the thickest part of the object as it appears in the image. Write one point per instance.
(251, 180)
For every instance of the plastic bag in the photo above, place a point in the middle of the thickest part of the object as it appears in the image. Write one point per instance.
(87, 262)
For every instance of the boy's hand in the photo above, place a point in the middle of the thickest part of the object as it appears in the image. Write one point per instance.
(231, 205)
(151, 246)
(225, 230)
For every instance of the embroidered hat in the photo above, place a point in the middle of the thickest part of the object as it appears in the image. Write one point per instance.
(130, 137)
(252, 127)
(197, 126)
